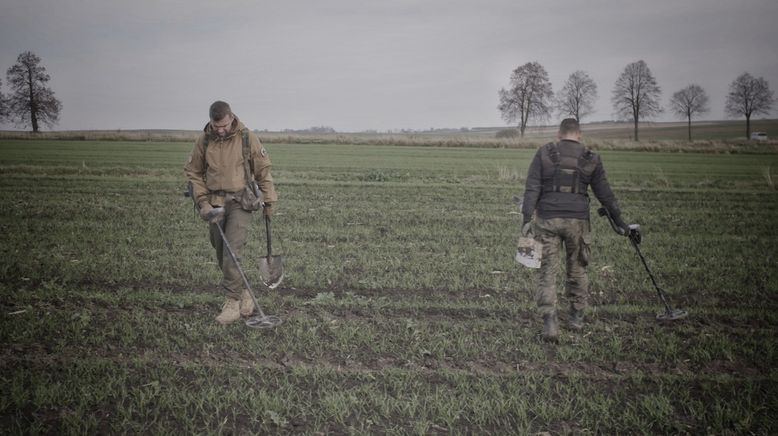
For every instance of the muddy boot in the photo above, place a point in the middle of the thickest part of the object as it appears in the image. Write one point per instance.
(550, 327)
(576, 321)
(246, 303)
(230, 312)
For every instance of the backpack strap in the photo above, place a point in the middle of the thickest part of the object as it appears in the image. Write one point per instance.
(248, 163)
(553, 154)
(583, 159)
(572, 186)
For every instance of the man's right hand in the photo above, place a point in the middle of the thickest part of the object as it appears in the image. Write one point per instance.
(215, 215)
(634, 233)
(623, 228)
(526, 229)
(210, 213)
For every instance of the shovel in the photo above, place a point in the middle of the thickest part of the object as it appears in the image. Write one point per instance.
(271, 268)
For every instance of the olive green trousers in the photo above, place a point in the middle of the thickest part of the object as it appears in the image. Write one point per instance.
(574, 237)
(236, 228)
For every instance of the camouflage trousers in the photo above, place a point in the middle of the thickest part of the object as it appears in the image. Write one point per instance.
(575, 236)
(236, 228)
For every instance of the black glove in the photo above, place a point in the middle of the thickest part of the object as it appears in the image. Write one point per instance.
(623, 228)
(634, 233)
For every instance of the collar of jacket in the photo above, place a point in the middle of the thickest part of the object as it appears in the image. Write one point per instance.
(237, 127)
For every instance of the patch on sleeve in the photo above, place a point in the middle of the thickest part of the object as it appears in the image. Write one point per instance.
(262, 151)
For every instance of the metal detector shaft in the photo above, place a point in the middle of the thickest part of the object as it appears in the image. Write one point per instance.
(240, 270)
(659, 290)
(669, 314)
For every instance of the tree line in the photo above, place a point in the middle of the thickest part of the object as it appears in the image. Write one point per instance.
(635, 96)
(530, 97)
(30, 101)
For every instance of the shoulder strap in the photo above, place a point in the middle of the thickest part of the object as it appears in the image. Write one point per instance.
(553, 154)
(248, 163)
(585, 156)
(205, 153)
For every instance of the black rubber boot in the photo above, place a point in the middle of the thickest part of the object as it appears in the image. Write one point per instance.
(576, 320)
(550, 327)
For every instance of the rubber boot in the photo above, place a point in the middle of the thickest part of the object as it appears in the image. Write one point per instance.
(246, 303)
(230, 312)
(550, 327)
(576, 320)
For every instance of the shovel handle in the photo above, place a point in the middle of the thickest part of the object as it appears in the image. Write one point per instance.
(267, 234)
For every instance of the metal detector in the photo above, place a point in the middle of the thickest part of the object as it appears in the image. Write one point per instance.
(635, 238)
(259, 320)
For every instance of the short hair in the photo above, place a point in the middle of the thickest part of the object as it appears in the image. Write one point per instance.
(219, 110)
(569, 126)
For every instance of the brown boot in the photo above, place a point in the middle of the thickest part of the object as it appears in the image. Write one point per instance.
(230, 312)
(246, 303)
(550, 327)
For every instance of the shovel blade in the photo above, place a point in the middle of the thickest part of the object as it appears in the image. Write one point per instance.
(271, 268)
(529, 252)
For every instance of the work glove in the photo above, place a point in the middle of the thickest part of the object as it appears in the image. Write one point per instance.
(526, 229)
(267, 210)
(212, 214)
(204, 208)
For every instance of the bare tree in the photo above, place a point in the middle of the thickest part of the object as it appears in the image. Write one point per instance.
(3, 105)
(31, 101)
(529, 96)
(577, 97)
(688, 103)
(636, 94)
(749, 96)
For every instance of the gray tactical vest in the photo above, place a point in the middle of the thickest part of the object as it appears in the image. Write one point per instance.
(570, 168)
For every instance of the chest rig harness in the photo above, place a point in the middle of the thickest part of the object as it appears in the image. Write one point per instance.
(568, 168)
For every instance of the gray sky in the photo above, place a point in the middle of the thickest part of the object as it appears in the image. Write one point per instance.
(361, 64)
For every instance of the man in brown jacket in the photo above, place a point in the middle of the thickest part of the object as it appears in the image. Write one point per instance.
(221, 181)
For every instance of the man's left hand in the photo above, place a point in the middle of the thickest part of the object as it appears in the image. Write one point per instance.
(267, 209)
(526, 229)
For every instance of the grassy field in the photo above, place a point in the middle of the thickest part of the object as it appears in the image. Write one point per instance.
(403, 309)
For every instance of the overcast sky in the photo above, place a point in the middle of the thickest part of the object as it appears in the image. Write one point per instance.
(360, 64)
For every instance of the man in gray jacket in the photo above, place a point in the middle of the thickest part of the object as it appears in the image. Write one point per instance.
(556, 196)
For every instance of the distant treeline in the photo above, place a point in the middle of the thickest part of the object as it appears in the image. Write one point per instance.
(488, 140)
